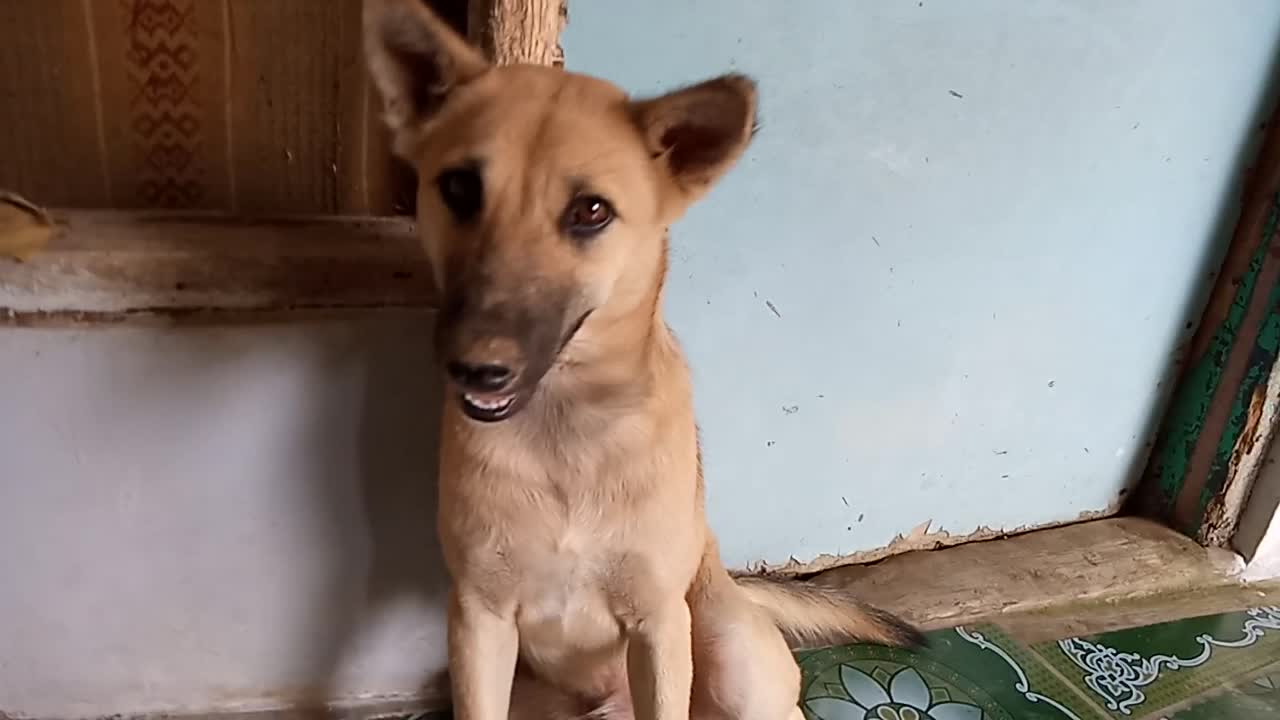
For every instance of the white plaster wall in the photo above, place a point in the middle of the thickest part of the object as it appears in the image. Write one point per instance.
(217, 517)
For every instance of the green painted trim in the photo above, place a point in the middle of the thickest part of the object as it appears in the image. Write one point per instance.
(1183, 425)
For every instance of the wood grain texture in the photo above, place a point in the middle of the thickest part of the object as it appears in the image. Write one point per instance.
(104, 264)
(382, 184)
(286, 114)
(519, 31)
(164, 84)
(363, 150)
(51, 150)
(1076, 619)
(1113, 561)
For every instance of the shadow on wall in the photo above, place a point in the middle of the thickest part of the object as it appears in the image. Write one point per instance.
(202, 518)
(397, 451)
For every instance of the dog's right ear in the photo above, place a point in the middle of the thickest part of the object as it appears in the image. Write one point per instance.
(416, 61)
(698, 132)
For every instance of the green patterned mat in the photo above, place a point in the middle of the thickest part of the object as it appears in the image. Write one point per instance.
(1221, 667)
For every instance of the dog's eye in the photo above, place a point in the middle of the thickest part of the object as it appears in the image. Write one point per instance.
(587, 215)
(462, 191)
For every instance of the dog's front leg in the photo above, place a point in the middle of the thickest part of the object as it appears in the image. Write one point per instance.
(660, 663)
(483, 644)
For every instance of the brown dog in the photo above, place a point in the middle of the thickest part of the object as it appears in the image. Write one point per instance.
(571, 499)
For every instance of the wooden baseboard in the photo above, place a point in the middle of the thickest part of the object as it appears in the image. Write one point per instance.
(1057, 583)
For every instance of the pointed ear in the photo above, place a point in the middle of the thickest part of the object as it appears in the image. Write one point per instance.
(697, 133)
(415, 60)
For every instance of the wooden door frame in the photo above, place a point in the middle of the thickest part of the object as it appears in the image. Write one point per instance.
(1218, 425)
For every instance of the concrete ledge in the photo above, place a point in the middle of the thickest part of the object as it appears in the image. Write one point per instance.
(105, 266)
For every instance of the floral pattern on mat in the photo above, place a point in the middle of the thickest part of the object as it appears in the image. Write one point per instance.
(881, 694)
(1222, 667)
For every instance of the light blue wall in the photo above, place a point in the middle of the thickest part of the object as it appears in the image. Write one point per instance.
(982, 224)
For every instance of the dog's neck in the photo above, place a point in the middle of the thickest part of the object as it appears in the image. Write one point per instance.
(622, 349)
(623, 361)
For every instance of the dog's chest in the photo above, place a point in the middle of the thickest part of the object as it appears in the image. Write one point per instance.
(568, 537)
(565, 595)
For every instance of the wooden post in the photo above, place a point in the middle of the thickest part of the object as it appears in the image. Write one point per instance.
(518, 31)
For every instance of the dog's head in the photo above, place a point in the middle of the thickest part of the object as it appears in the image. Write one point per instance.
(544, 196)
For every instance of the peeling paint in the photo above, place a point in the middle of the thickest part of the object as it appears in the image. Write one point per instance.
(1222, 516)
(918, 538)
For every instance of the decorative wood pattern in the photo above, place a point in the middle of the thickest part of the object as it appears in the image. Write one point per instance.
(165, 103)
(246, 106)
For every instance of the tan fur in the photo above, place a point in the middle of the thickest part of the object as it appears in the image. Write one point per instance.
(815, 615)
(574, 529)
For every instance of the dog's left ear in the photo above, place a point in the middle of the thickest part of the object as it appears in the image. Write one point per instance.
(697, 133)
(416, 61)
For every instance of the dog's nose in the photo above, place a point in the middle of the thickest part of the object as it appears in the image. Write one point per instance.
(480, 377)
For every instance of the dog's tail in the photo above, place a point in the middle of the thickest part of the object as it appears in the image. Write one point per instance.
(817, 616)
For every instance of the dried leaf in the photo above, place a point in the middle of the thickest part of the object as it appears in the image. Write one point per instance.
(24, 227)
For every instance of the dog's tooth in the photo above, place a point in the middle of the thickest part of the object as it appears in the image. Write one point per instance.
(486, 403)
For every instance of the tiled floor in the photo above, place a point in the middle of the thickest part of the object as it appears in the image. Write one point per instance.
(1222, 667)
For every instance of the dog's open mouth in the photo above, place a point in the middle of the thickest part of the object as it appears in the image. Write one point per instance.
(489, 407)
(494, 407)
